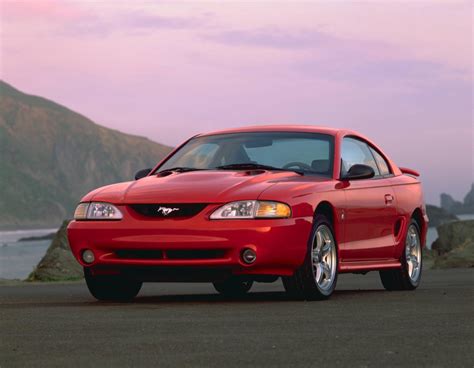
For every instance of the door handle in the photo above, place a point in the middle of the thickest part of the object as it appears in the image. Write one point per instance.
(389, 199)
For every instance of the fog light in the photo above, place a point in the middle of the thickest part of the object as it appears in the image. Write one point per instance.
(249, 256)
(88, 256)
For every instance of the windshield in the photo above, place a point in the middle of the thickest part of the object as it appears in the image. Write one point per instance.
(311, 153)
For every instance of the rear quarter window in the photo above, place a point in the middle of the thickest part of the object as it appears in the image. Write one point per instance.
(381, 163)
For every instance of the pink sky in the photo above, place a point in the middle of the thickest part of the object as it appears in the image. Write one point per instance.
(399, 72)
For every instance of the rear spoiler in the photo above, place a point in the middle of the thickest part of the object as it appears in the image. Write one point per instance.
(407, 171)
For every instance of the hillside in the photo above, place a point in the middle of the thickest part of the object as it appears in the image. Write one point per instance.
(50, 156)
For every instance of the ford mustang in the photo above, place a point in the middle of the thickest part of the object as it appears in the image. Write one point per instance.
(256, 204)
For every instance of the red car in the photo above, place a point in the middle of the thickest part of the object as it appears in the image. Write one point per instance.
(252, 205)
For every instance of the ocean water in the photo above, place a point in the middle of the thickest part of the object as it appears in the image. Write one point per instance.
(18, 259)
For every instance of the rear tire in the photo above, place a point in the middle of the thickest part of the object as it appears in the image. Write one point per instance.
(407, 277)
(316, 278)
(111, 287)
(233, 287)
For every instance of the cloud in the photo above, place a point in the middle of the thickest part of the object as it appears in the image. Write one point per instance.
(273, 38)
(328, 56)
(50, 10)
(360, 68)
(73, 19)
(153, 21)
(87, 26)
(136, 21)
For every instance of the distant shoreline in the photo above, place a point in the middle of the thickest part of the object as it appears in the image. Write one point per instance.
(29, 227)
(49, 236)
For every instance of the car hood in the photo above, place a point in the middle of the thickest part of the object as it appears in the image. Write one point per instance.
(213, 186)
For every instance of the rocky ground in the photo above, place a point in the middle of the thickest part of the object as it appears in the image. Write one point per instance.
(58, 263)
(454, 246)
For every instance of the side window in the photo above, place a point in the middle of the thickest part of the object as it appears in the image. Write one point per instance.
(381, 163)
(355, 152)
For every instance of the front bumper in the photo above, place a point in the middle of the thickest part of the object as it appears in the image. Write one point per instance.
(192, 243)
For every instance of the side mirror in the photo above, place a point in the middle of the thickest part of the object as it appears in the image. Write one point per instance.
(357, 172)
(142, 173)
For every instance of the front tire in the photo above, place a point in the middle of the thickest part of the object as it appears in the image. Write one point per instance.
(233, 287)
(111, 287)
(407, 277)
(316, 279)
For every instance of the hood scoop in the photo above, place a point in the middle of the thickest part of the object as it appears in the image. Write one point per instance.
(251, 172)
(164, 173)
(199, 186)
(239, 173)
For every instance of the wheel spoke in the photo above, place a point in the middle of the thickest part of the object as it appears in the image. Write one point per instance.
(319, 274)
(326, 270)
(315, 256)
(326, 248)
(319, 241)
(326, 237)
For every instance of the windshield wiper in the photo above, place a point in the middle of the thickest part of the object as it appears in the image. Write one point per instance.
(179, 169)
(252, 166)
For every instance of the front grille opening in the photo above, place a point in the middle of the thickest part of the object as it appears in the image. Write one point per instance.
(168, 210)
(139, 254)
(195, 254)
(181, 254)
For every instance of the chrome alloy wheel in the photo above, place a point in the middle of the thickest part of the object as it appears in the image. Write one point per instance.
(413, 254)
(324, 259)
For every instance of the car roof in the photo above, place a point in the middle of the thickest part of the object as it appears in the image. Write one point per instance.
(308, 129)
(284, 128)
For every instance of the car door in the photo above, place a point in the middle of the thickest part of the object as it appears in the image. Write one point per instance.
(370, 211)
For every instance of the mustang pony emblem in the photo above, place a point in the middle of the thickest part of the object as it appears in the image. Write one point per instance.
(166, 210)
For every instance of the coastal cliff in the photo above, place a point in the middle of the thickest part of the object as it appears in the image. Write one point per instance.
(439, 215)
(451, 205)
(58, 264)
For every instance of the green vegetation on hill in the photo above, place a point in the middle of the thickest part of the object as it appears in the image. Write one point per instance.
(51, 156)
(455, 245)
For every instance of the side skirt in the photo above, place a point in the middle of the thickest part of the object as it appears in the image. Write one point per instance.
(380, 264)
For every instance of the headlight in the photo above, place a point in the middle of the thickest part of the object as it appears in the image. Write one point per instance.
(251, 209)
(97, 211)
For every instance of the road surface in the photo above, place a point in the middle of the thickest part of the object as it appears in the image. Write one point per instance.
(179, 325)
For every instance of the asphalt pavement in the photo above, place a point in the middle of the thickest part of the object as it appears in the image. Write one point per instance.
(179, 325)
